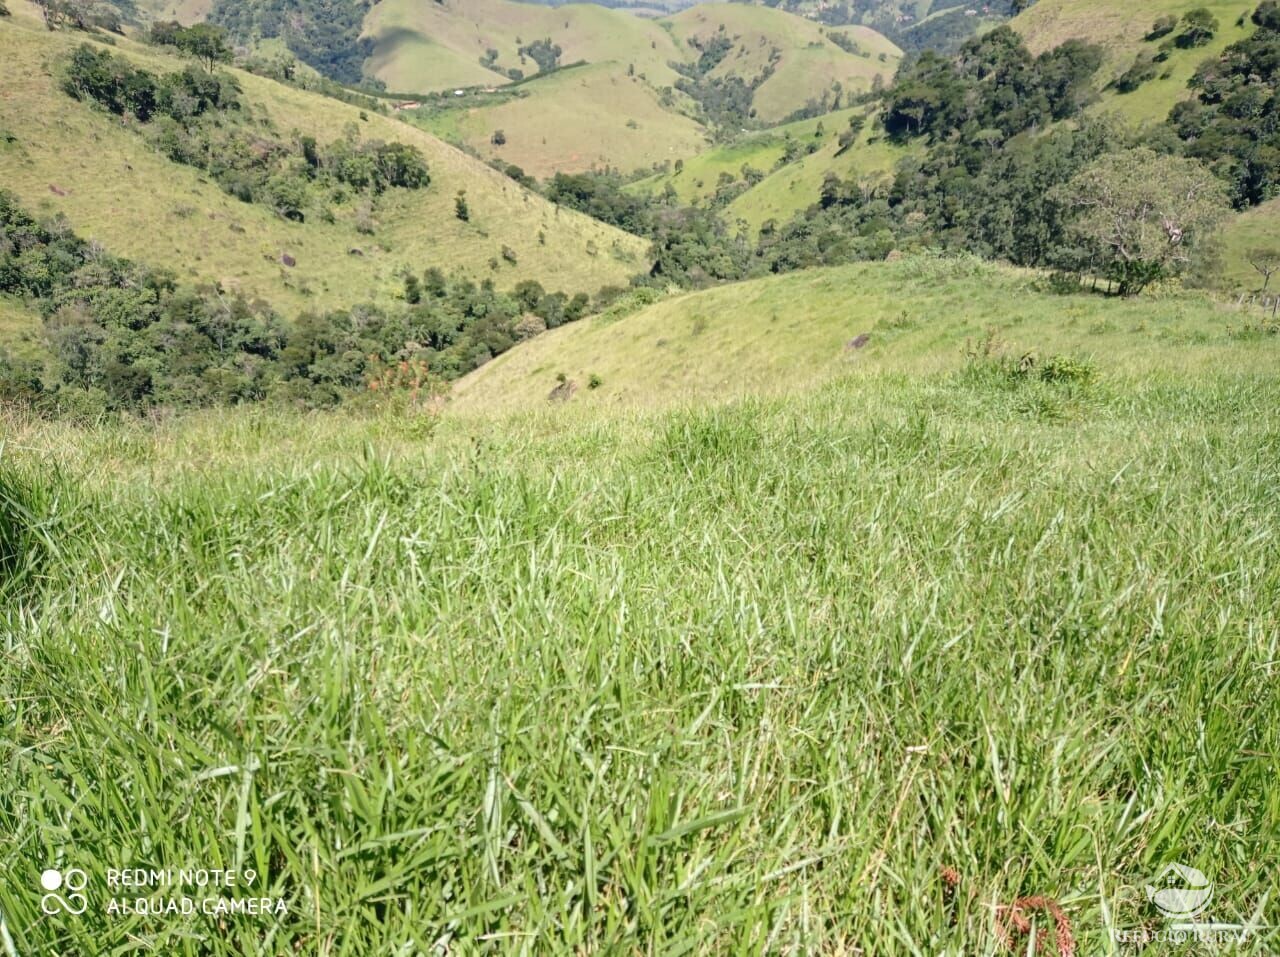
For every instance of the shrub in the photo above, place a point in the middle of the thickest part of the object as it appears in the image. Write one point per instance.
(1068, 370)
(1162, 28)
(1198, 28)
(1143, 69)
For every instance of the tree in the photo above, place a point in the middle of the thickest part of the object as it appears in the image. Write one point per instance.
(1266, 260)
(460, 207)
(206, 42)
(58, 13)
(544, 53)
(1145, 215)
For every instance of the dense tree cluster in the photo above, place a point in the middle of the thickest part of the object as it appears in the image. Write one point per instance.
(118, 335)
(725, 101)
(544, 53)
(115, 84)
(198, 119)
(691, 246)
(1233, 123)
(324, 34)
(204, 41)
(993, 84)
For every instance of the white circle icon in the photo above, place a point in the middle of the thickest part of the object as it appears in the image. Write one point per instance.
(51, 880)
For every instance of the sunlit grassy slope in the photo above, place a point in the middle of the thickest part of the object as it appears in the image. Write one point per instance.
(184, 11)
(1255, 229)
(786, 190)
(582, 116)
(589, 116)
(698, 178)
(807, 62)
(18, 325)
(796, 187)
(437, 44)
(69, 158)
(777, 333)
(739, 679)
(1120, 28)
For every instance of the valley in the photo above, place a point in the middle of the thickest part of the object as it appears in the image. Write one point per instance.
(638, 477)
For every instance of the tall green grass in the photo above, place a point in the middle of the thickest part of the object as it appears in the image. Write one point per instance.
(731, 680)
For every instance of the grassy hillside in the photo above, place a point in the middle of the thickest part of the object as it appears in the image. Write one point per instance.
(740, 679)
(1254, 229)
(184, 11)
(792, 330)
(1047, 24)
(699, 175)
(17, 327)
(796, 187)
(806, 61)
(589, 116)
(1120, 29)
(68, 158)
(583, 117)
(425, 47)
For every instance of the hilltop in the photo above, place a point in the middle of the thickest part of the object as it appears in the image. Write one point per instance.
(425, 47)
(789, 332)
(66, 157)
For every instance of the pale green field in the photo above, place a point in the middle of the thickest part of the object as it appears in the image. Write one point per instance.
(574, 120)
(796, 187)
(742, 676)
(184, 11)
(18, 324)
(1257, 228)
(699, 179)
(142, 206)
(792, 330)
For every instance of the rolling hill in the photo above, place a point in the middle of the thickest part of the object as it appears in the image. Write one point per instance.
(594, 115)
(799, 59)
(423, 47)
(789, 332)
(620, 108)
(60, 156)
(787, 187)
(698, 177)
(1123, 33)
